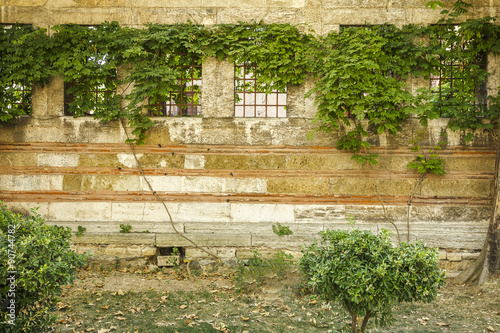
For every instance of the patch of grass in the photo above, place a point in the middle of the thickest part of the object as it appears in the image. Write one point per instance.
(277, 306)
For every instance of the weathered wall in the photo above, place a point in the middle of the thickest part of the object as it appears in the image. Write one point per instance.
(226, 180)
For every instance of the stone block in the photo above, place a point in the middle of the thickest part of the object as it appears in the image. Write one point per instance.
(442, 254)
(17, 159)
(115, 250)
(196, 253)
(291, 242)
(79, 211)
(115, 238)
(135, 250)
(319, 213)
(454, 256)
(58, 160)
(246, 185)
(262, 213)
(225, 253)
(470, 255)
(194, 162)
(456, 187)
(174, 240)
(127, 211)
(149, 251)
(168, 261)
(317, 186)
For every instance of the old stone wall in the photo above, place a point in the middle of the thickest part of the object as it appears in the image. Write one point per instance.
(227, 180)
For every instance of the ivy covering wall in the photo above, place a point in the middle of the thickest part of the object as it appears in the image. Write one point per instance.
(361, 73)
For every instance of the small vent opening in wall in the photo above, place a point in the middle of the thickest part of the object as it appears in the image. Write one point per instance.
(170, 256)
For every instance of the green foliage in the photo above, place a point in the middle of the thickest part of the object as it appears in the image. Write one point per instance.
(87, 58)
(80, 231)
(40, 260)
(281, 230)
(24, 60)
(254, 272)
(367, 275)
(361, 72)
(427, 162)
(125, 228)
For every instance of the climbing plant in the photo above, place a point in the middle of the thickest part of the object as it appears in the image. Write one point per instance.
(361, 73)
(24, 61)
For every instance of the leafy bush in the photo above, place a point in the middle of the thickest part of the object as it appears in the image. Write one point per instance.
(368, 275)
(36, 260)
(125, 228)
(281, 230)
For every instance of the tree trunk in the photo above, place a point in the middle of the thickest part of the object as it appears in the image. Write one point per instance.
(488, 262)
(365, 321)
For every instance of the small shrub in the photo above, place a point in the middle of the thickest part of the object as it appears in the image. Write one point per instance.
(125, 228)
(80, 231)
(368, 275)
(254, 272)
(36, 260)
(281, 230)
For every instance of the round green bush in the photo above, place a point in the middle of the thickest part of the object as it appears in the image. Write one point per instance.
(367, 274)
(35, 261)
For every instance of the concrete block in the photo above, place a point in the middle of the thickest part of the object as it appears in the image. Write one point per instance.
(171, 240)
(262, 213)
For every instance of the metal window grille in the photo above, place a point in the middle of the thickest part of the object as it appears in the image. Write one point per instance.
(98, 94)
(450, 77)
(20, 93)
(22, 96)
(186, 100)
(249, 101)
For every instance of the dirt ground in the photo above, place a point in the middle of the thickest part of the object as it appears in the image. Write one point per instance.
(172, 301)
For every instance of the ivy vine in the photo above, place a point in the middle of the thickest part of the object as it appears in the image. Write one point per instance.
(361, 73)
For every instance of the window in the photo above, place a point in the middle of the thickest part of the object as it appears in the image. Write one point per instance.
(452, 84)
(184, 100)
(251, 100)
(96, 97)
(16, 94)
(94, 90)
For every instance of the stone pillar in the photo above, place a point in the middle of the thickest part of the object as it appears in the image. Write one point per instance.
(48, 101)
(217, 91)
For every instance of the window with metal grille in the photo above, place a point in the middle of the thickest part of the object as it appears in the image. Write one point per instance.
(185, 100)
(18, 94)
(252, 101)
(450, 80)
(100, 96)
